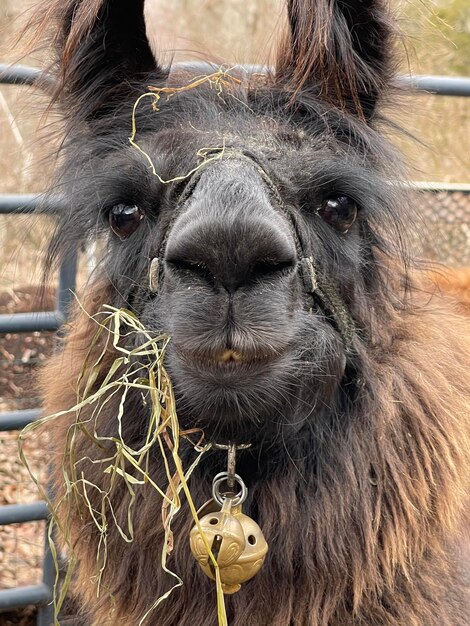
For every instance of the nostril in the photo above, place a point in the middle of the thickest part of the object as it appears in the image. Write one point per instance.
(265, 267)
(188, 266)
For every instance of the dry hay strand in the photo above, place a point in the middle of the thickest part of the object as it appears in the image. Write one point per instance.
(138, 368)
(221, 81)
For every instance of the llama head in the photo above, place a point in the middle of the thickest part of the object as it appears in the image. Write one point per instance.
(248, 220)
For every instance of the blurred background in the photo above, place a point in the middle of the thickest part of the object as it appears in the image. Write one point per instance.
(436, 41)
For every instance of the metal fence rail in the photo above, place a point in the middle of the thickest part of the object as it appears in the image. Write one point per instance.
(17, 420)
(41, 594)
(438, 85)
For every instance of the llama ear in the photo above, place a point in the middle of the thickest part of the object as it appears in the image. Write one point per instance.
(338, 50)
(103, 54)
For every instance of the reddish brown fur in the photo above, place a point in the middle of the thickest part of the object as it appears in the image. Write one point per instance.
(456, 283)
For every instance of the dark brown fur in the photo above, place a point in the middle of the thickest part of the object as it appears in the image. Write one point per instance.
(363, 495)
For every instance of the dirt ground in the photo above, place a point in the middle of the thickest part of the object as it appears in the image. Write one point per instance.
(25, 617)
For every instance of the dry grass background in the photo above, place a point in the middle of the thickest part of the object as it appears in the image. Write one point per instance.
(238, 31)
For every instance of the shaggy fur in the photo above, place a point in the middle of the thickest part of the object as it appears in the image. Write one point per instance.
(455, 282)
(359, 469)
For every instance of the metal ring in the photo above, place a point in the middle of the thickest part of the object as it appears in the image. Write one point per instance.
(238, 499)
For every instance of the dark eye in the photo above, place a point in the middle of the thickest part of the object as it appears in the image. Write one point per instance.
(340, 212)
(124, 220)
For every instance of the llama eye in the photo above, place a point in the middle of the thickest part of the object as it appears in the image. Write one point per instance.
(124, 220)
(340, 212)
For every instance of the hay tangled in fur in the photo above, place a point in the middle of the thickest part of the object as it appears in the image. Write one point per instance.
(139, 368)
(220, 80)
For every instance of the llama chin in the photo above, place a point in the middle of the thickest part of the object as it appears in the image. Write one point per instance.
(251, 218)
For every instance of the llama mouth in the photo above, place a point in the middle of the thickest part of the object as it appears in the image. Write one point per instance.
(228, 360)
(230, 356)
(226, 395)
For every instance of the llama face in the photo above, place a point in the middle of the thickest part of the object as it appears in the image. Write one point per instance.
(255, 197)
(250, 347)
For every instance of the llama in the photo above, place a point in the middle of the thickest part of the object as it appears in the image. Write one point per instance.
(261, 206)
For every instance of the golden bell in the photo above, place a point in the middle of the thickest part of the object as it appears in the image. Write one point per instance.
(230, 545)
(236, 541)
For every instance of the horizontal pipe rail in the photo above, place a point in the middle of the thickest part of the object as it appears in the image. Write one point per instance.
(18, 203)
(26, 203)
(25, 75)
(31, 322)
(24, 596)
(438, 85)
(17, 420)
(21, 513)
(440, 187)
(19, 74)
